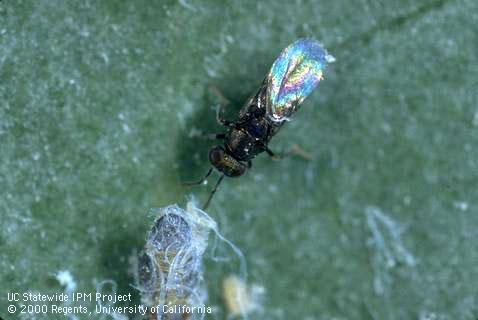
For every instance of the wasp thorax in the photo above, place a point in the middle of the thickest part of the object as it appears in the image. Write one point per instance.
(226, 163)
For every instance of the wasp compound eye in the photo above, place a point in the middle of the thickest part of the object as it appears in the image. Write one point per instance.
(216, 155)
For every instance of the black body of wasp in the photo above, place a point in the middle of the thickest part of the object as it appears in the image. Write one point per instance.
(245, 138)
(292, 77)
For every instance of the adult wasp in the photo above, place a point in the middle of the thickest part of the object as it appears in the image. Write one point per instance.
(292, 77)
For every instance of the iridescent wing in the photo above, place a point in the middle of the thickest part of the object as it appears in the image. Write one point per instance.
(293, 76)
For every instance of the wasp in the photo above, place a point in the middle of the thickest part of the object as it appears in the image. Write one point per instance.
(292, 77)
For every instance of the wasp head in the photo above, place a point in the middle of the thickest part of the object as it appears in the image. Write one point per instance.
(225, 163)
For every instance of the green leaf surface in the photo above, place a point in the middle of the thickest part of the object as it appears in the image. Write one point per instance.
(98, 100)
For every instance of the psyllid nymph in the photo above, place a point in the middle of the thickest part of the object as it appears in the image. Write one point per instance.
(292, 77)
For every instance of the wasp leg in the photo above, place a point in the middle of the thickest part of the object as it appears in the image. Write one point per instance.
(209, 136)
(223, 122)
(272, 154)
(223, 102)
(213, 192)
(294, 151)
(220, 119)
(220, 136)
(194, 183)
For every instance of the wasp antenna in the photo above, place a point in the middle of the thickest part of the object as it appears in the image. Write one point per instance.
(194, 183)
(213, 192)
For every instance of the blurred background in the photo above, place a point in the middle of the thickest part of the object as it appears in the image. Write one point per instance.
(98, 101)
